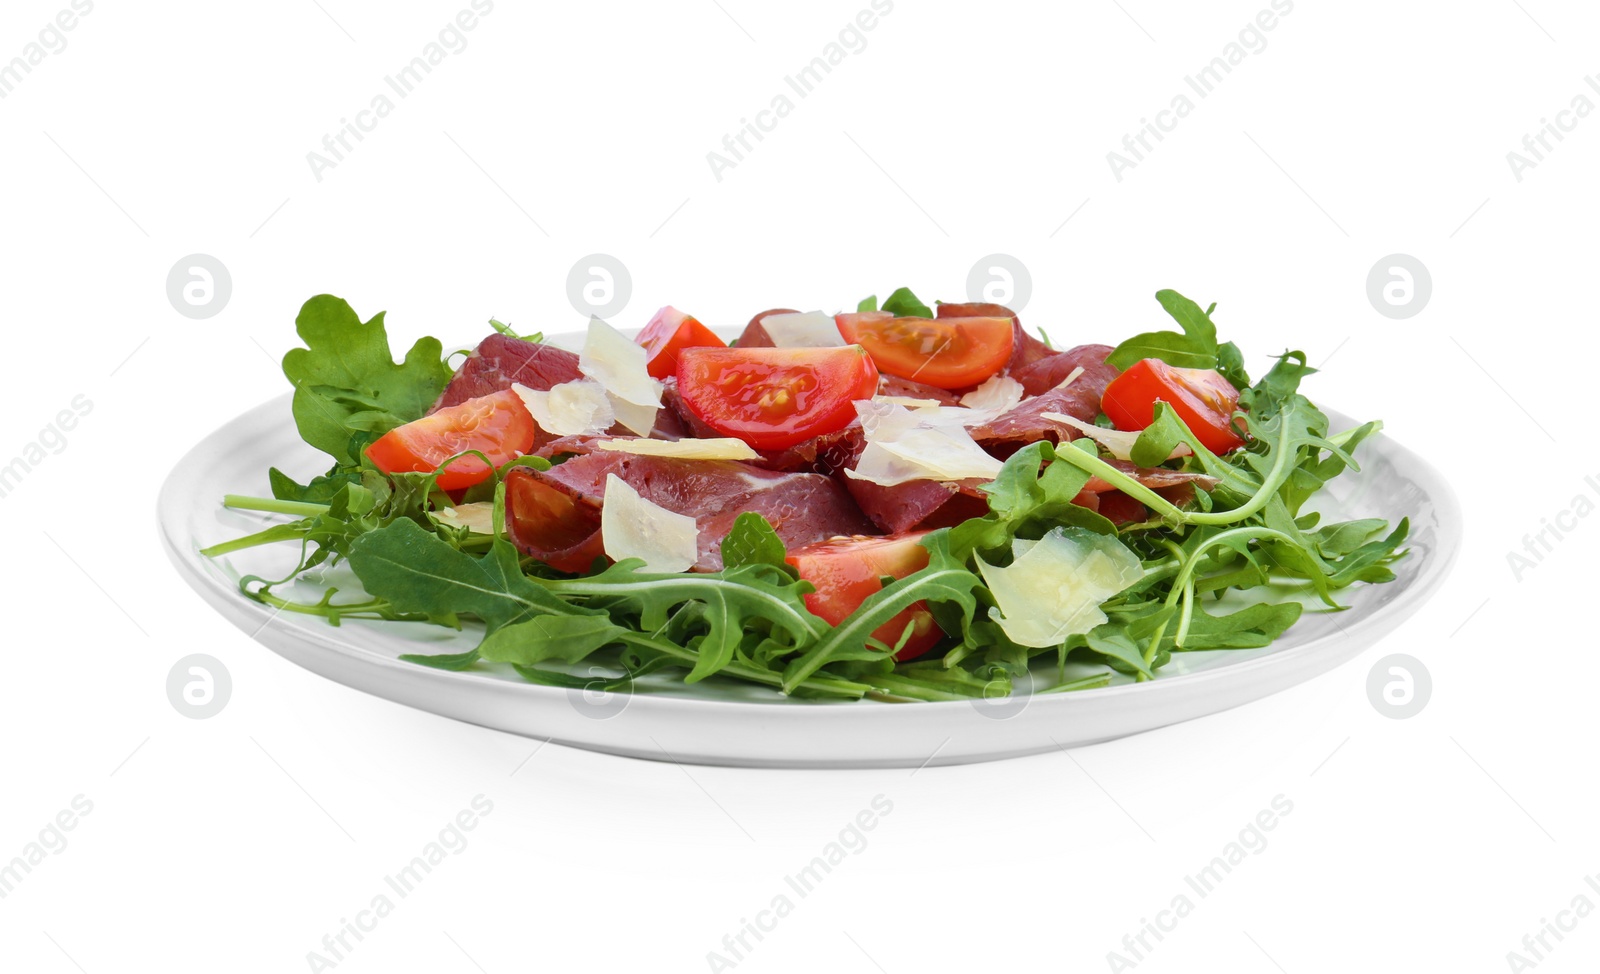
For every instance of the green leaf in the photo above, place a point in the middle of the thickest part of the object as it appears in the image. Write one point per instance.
(1230, 362)
(567, 639)
(868, 303)
(1156, 441)
(1249, 628)
(1267, 397)
(752, 541)
(417, 571)
(1168, 346)
(455, 662)
(319, 491)
(1194, 348)
(346, 380)
(1196, 323)
(903, 304)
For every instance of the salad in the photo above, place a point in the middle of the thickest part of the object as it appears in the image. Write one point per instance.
(900, 502)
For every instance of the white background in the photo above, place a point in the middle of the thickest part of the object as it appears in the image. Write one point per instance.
(1362, 129)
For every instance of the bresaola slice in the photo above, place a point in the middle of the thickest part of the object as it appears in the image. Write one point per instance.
(555, 515)
(1049, 371)
(1026, 423)
(500, 360)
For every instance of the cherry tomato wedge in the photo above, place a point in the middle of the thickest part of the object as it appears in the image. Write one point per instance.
(845, 571)
(669, 333)
(773, 398)
(950, 353)
(497, 425)
(1202, 398)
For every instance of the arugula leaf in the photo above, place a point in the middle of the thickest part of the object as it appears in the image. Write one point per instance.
(903, 304)
(417, 571)
(1194, 348)
(1230, 362)
(319, 491)
(752, 541)
(1267, 397)
(1156, 441)
(567, 639)
(868, 303)
(346, 382)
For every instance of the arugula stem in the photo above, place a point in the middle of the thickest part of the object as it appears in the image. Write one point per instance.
(1116, 478)
(1340, 439)
(240, 502)
(822, 684)
(1183, 584)
(275, 533)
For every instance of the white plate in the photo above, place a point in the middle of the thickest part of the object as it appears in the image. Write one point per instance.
(749, 726)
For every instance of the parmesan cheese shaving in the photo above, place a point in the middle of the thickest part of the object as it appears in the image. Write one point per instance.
(811, 329)
(923, 444)
(477, 517)
(711, 448)
(637, 419)
(569, 409)
(619, 364)
(997, 394)
(632, 527)
(1054, 586)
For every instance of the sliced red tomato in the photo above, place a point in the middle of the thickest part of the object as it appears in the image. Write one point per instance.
(497, 425)
(773, 398)
(1202, 398)
(669, 333)
(845, 571)
(950, 353)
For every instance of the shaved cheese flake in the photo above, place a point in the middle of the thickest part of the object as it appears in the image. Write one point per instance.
(569, 409)
(477, 517)
(811, 329)
(997, 395)
(638, 419)
(1071, 377)
(924, 454)
(711, 448)
(907, 401)
(619, 364)
(1117, 442)
(918, 444)
(1054, 586)
(632, 527)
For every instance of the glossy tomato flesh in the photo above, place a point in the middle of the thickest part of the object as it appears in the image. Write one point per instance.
(773, 398)
(497, 425)
(668, 334)
(950, 353)
(1202, 398)
(845, 571)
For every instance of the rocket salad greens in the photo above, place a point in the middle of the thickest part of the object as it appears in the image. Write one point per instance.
(1046, 569)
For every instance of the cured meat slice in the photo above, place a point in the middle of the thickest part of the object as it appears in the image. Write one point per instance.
(1025, 423)
(500, 360)
(920, 505)
(914, 505)
(1051, 370)
(554, 515)
(893, 385)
